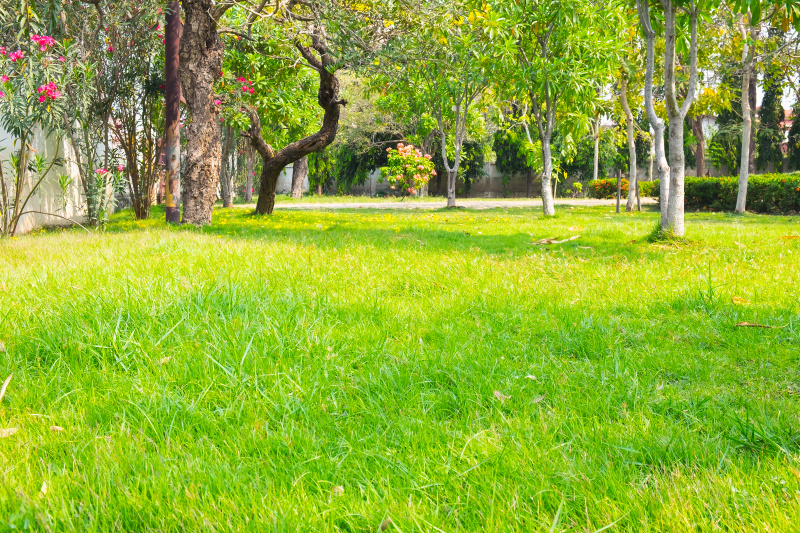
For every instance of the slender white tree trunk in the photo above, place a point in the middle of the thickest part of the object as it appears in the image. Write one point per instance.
(660, 160)
(547, 172)
(747, 121)
(623, 98)
(676, 114)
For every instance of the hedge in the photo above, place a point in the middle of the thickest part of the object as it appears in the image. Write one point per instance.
(607, 188)
(766, 193)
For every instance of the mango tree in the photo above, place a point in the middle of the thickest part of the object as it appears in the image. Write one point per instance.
(563, 50)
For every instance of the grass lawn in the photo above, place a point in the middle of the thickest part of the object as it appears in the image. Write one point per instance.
(424, 371)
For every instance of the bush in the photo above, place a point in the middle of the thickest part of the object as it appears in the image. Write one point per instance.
(607, 188)
(766, 193)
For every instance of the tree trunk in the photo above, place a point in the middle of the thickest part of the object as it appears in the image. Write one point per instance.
(619, 188)
(529, 184)
(226, 177)
(660, 160)
(632, 171)
(747, 119)
(327, 98)
(299, 174)
(700, 152)
(751, 165)
(251, 156)
(547, 172)
(201, 52)
(676, 114)
(451, 188)
(596, 135)
(172, 150)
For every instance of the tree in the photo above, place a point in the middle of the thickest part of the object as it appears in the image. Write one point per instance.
(672, 196)
(562, 50)
(442, 69)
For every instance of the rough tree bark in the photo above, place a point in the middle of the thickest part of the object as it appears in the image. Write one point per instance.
(327, 98)
(696, 122)
(200, 62)
(632, 171)
(299, 174)
(748, 55)
(545, 121)
(659, 160)
(676, 113)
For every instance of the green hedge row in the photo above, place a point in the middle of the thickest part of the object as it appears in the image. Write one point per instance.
(607, 188)
(766, 193)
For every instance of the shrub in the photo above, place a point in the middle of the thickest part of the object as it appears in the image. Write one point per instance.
(607, 188)
(766, 193)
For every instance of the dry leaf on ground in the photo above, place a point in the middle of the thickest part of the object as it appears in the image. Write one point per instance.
(165, 360)
(500, 396)
(385, 524)
(576, 228)
(790, 237)
(2, 347)
(740, 301)
(338, 490)
(751, 325)
(57, 429)
(8, 432)
(44, 488)
(554, 240)
(5, 386)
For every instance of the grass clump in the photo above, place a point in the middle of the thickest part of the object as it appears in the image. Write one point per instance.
(423, 370)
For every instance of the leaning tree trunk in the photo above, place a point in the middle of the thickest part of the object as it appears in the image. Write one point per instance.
(327, 98)
(201, 54)
(299, 175)
(751, 164)
(632, 172)
(596, 136)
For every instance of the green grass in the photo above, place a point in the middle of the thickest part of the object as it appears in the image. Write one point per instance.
(232, 378)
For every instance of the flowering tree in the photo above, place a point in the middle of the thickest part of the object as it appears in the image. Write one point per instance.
(407, 170)
(34, 70)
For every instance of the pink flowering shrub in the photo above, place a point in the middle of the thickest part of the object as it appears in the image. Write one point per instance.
(407, 170)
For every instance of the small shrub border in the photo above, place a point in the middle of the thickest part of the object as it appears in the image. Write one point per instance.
(766, 193)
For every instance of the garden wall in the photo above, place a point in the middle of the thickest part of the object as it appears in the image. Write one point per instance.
(48, 198)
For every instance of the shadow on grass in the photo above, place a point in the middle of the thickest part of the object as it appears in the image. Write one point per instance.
(601, 232)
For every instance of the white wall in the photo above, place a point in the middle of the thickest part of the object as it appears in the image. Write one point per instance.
(284, 185)
(48, 197)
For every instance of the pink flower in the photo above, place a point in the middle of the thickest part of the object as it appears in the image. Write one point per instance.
(110, 48)
(241, 80)
(217, 102)
(19, 54)
(101, 171)
(2, 50)
(252, 91)
(244, 88)
(420, 167)
(2, 94)
(42, 98)
(433, 172)
(427, 156)
(120, 168)
(62, 59)
(4, 78)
